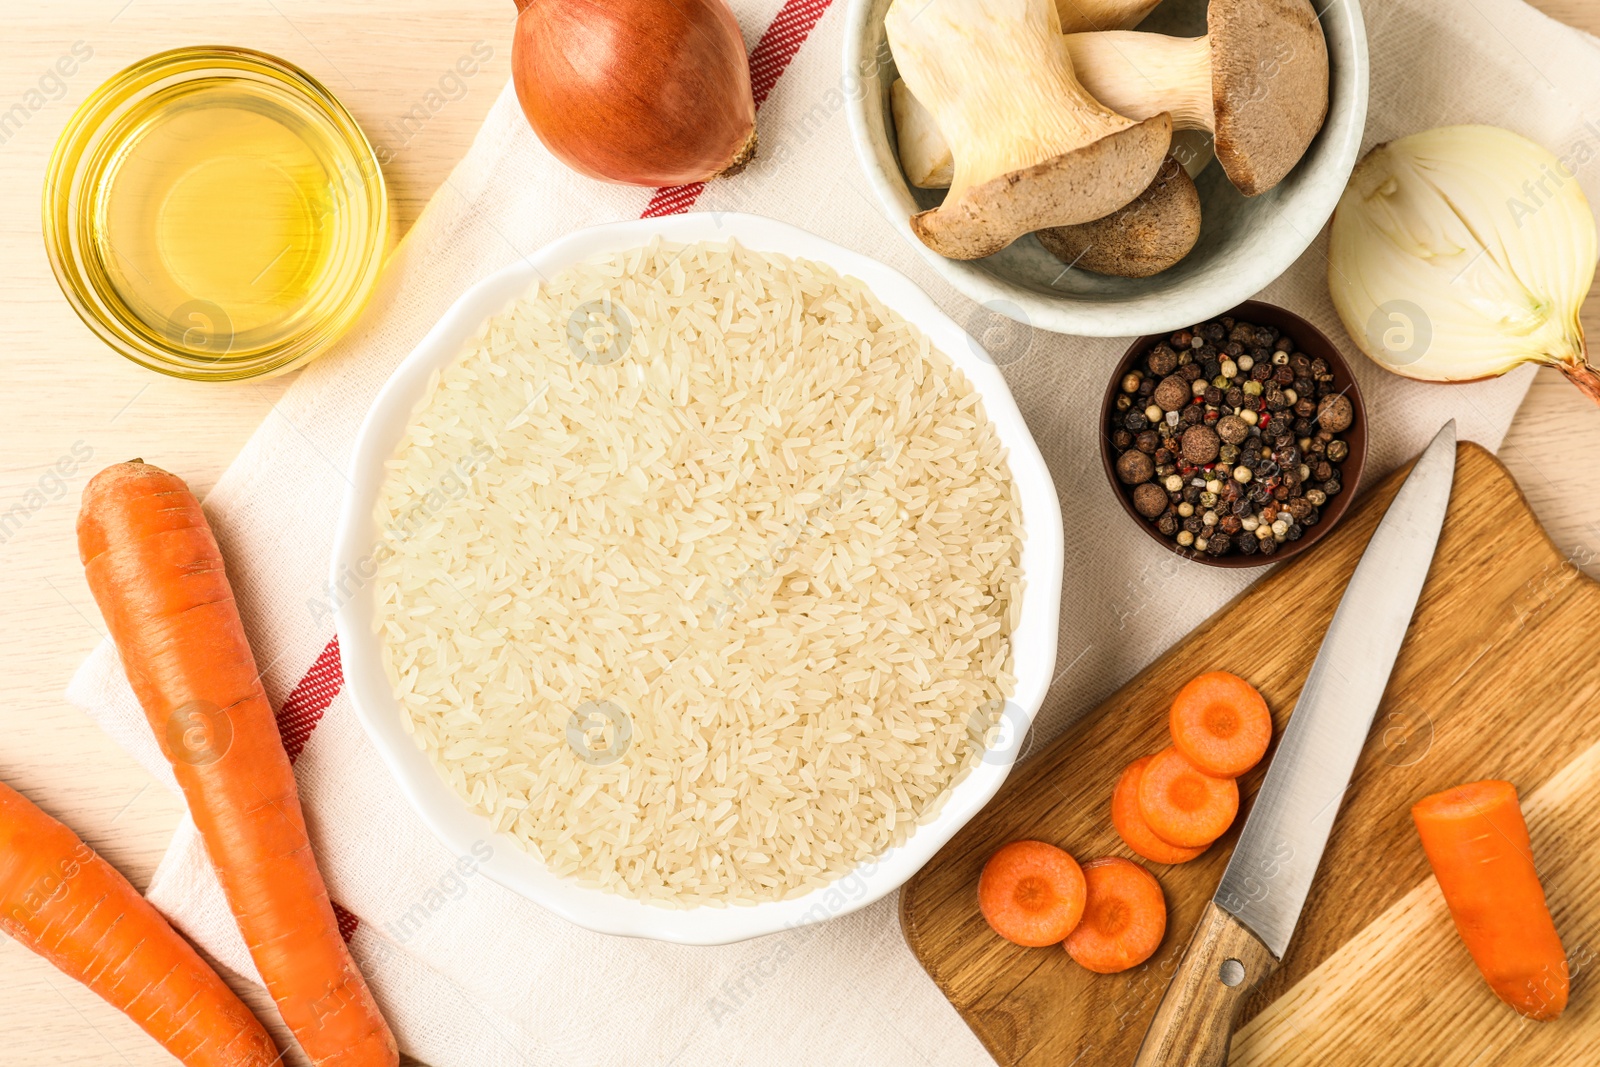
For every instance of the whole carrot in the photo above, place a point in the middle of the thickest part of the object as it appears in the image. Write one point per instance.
(61, 900)
(155, 570)
(1477, 843)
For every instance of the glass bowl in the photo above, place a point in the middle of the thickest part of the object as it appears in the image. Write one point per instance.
(150, 161)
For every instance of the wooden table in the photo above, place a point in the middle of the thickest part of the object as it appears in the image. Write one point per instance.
(61, 389)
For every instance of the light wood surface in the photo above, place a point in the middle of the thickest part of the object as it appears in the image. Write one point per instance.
(60, 388)
(1375, 972)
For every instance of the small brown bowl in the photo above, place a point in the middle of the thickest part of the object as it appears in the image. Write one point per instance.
(1314, 343)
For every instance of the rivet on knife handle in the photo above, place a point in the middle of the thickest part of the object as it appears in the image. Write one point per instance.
(1194, 1024)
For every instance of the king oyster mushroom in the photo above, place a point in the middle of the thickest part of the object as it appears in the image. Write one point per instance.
(1145, 236)
(1032, 149)
(1258, 82)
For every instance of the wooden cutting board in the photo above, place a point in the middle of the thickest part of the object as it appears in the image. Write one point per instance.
(1499, 678)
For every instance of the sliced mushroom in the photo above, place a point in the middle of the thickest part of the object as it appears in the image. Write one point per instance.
(1084, 16)
(1032, 149)
(1143, 237)
(1258, 81)
(925, 155)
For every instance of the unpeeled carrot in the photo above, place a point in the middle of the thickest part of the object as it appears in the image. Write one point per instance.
(1221, 724)
(62, 901)
(1477, 843)
(1182, 805)
(1031, 893)
(1130, 824)
(155, 570)
(1124, 917)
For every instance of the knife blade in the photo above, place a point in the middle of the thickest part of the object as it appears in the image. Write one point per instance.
(1246, 928)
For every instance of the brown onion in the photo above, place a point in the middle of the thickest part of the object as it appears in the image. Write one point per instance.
(643, 92)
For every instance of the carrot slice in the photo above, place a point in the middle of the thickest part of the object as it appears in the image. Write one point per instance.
(1477, 843)
(1135, 832)
(155, 570)
(1221, 724)
(1031, 893)
(58, 898)
(1124, 917)
(1183, 806)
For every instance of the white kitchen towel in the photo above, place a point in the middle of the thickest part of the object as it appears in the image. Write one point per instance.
(469, 974)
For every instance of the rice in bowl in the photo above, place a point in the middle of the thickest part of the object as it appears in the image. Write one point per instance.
(699, 572)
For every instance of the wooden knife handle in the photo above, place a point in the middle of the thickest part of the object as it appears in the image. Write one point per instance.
(1193, 1025)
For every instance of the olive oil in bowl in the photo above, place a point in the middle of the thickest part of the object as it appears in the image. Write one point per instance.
(214, 213)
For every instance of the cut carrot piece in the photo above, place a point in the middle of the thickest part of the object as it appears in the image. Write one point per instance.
(1477, 843)
(1135, 832)
(1031, 893)
(1124, 917)
(1183, 806)
(1221, 724)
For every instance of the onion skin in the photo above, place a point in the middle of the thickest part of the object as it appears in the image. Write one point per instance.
(639, 92)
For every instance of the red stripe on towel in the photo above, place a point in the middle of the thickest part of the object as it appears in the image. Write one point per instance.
(771, 57)
(309, 699)
(346, 919)
(298, 716)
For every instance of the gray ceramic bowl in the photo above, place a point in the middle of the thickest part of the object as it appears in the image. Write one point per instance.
(1245, 242)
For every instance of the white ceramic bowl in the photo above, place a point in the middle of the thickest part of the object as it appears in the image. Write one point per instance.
(1245, 242)
(458, 827)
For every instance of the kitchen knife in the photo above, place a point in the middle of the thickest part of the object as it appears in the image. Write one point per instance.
(1246, 927)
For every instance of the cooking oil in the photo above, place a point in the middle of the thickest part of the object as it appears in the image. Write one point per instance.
(221, 218)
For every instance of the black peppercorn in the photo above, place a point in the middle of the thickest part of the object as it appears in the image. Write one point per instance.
(1162, 360)
(1194, 524)
(1147, 441)
(1233, 397)
(1304, 386)
(1192, 415)
(1261, 371)
(1331, 487)
(1321, 470)
(1123, 440)
(1268, 546)
(1135, 421)
(1193, 493)
(1163, 456)
(1168, 523)
(1305, 407)
(1217, 543)
(1300, 363)
(1213, 332)
(1248, 545)
(1244, 333)
(1230, 524)
(1213, 395)
(1302, 427)
(1189, 372)
(1282, 375)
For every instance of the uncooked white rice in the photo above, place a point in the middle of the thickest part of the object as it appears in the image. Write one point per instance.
(761, 533)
